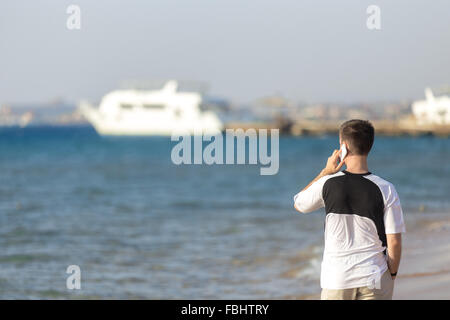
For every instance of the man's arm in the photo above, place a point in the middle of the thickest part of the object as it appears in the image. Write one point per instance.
(320, 175)
(394, 227)
(394, 251)
(331, 167)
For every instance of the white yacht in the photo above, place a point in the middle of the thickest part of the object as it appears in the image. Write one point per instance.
(152, 112)
(433, 110)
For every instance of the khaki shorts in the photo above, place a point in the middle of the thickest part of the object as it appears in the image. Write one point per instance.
(363, 293)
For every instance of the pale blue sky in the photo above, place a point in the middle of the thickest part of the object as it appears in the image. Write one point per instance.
(307, 50)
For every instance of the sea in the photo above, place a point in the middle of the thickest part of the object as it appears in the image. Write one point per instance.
(138, 226)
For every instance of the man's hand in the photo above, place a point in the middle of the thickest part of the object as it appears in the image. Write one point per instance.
(331, 168)
(332, 164)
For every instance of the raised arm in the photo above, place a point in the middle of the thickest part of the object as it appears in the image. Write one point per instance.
(310, 199)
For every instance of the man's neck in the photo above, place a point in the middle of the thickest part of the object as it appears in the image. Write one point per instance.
(356, 164)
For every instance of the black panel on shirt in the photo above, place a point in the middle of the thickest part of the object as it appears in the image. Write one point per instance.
(353, 194)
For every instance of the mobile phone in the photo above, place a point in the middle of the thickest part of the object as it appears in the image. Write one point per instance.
(343, 151)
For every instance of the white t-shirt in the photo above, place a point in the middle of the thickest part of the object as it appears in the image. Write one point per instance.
(360, 210)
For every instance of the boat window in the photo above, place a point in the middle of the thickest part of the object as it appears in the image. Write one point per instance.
(153, 106)
(126, 106)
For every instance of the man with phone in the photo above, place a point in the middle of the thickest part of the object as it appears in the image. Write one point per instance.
(363, 224)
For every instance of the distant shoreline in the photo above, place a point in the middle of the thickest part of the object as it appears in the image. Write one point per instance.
(307, 130)
(407, 127)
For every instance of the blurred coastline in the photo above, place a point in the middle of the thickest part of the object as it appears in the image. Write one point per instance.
(422, 117)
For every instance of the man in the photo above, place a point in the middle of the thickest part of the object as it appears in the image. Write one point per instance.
(363, 218)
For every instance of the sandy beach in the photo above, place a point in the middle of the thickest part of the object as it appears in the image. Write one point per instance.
(425, 267)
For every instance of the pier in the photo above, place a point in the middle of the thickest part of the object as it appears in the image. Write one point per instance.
(405, 127)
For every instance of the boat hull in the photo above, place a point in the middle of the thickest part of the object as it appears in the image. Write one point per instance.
(145, 125)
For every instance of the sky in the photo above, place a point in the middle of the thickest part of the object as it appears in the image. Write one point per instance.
(311, 51)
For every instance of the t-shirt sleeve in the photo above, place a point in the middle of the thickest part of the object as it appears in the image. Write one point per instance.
(393, 214)
(310, 199)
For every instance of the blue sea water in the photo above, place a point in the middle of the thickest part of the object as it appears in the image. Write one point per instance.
(139, 226)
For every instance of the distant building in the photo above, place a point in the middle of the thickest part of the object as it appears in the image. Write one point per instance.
(433, 110)
(354, 113)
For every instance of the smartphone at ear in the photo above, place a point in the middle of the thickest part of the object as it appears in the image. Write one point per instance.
(343, 151)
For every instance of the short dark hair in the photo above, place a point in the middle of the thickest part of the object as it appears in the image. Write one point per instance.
(359, 134)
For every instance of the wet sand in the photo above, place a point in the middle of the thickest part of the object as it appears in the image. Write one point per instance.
(425, 266)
